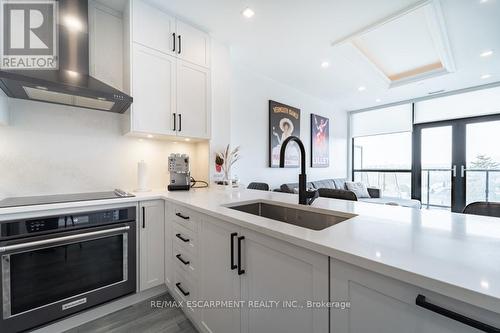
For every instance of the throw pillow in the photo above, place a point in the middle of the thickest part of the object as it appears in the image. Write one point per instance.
(358, 188)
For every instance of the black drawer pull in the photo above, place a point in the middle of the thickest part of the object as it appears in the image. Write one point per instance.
(240, 271)
(180, 44)
(173, 35)
(143, 217)
(233, 266)
(420, 301)
(178, 285)
(182, 260)
(182, 216)
(185, 240)
(175, 121)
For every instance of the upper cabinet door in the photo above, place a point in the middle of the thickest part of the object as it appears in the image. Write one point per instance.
(153, 28)
(153, 88)
(193, 45)
(193, 100)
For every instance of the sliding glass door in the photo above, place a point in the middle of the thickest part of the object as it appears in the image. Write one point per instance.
(456, 162)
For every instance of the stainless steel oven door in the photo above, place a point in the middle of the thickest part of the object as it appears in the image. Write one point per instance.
(66, 272)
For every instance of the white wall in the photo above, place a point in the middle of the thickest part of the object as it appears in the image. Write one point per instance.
(51, 149)
(221, 97)
(250, 95)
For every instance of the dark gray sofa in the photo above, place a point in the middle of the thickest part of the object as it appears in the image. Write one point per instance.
(339, 184)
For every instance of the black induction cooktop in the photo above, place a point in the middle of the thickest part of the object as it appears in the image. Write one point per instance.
(60, 198)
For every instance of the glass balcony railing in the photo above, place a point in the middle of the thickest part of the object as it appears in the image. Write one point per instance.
(392, 183)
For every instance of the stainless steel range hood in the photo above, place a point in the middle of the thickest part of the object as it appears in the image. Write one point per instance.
(71, 84)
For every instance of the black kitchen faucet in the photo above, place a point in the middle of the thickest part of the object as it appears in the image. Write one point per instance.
(306, 197)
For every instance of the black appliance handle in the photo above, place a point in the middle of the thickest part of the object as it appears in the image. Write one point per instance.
(180, 122)
(175, 121)
(240, 271)
(180, 44)
(182, 216)
(185, 240)
(143, 217)
(62, 239)
(233, 266)
(420, 301)
(182, 260)
(178, 285)
(173, 35)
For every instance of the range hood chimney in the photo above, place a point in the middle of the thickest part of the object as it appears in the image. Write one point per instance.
(71, 83)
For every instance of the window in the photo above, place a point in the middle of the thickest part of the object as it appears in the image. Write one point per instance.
(384, 161)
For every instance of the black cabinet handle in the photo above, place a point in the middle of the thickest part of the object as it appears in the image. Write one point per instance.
(173, 50)
(175, 121)
(185, 240)
(180, 45)
(182, 216)
(143, 217)
(240, 271)
(180, 122)
(233, 266)
(420, 301)
(182, 260)
(178, 285)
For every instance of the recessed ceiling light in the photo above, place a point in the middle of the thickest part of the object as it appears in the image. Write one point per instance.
(483, 1)
(248, 13)
(325, 64)
(362, 88)
(485, 76)
(378, 100)
(486, 53)
(150, 136)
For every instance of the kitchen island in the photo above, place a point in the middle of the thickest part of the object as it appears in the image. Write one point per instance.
(454, 258)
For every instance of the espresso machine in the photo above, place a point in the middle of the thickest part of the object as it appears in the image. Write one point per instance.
(180, 176)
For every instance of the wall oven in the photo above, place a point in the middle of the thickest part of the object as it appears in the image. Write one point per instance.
(55, 266)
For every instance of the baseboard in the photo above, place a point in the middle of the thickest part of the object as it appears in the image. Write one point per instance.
(100, 311)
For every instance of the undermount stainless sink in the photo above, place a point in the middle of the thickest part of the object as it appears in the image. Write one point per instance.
(309, 218)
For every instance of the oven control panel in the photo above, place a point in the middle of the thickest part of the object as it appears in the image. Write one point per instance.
(51, 224)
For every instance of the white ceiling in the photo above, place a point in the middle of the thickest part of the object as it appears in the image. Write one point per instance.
(288, 39)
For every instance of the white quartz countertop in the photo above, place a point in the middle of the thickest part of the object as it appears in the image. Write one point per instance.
(452, 254)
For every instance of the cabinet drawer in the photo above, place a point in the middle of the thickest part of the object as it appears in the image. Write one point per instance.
(184, 238)
(186, 217)
(396, 304)
(184, 287)
(185, 262)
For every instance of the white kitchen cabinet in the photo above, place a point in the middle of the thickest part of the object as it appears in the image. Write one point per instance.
(273, 271)
(194, 44)
(169, 241)
(152, 27)
(217, 280)
(4, 109)
(106, 44)
(279, 271)
(151, 243)
(169, 76)
(380, 304)
(193, 113)
(153, 90)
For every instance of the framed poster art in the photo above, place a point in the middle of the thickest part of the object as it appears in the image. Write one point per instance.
(284, 121)
(320, 141)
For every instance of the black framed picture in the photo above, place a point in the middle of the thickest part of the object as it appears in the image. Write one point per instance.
(284, 121)
(320, 141)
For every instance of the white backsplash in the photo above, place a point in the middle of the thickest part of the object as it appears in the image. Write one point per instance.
(48, 149)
